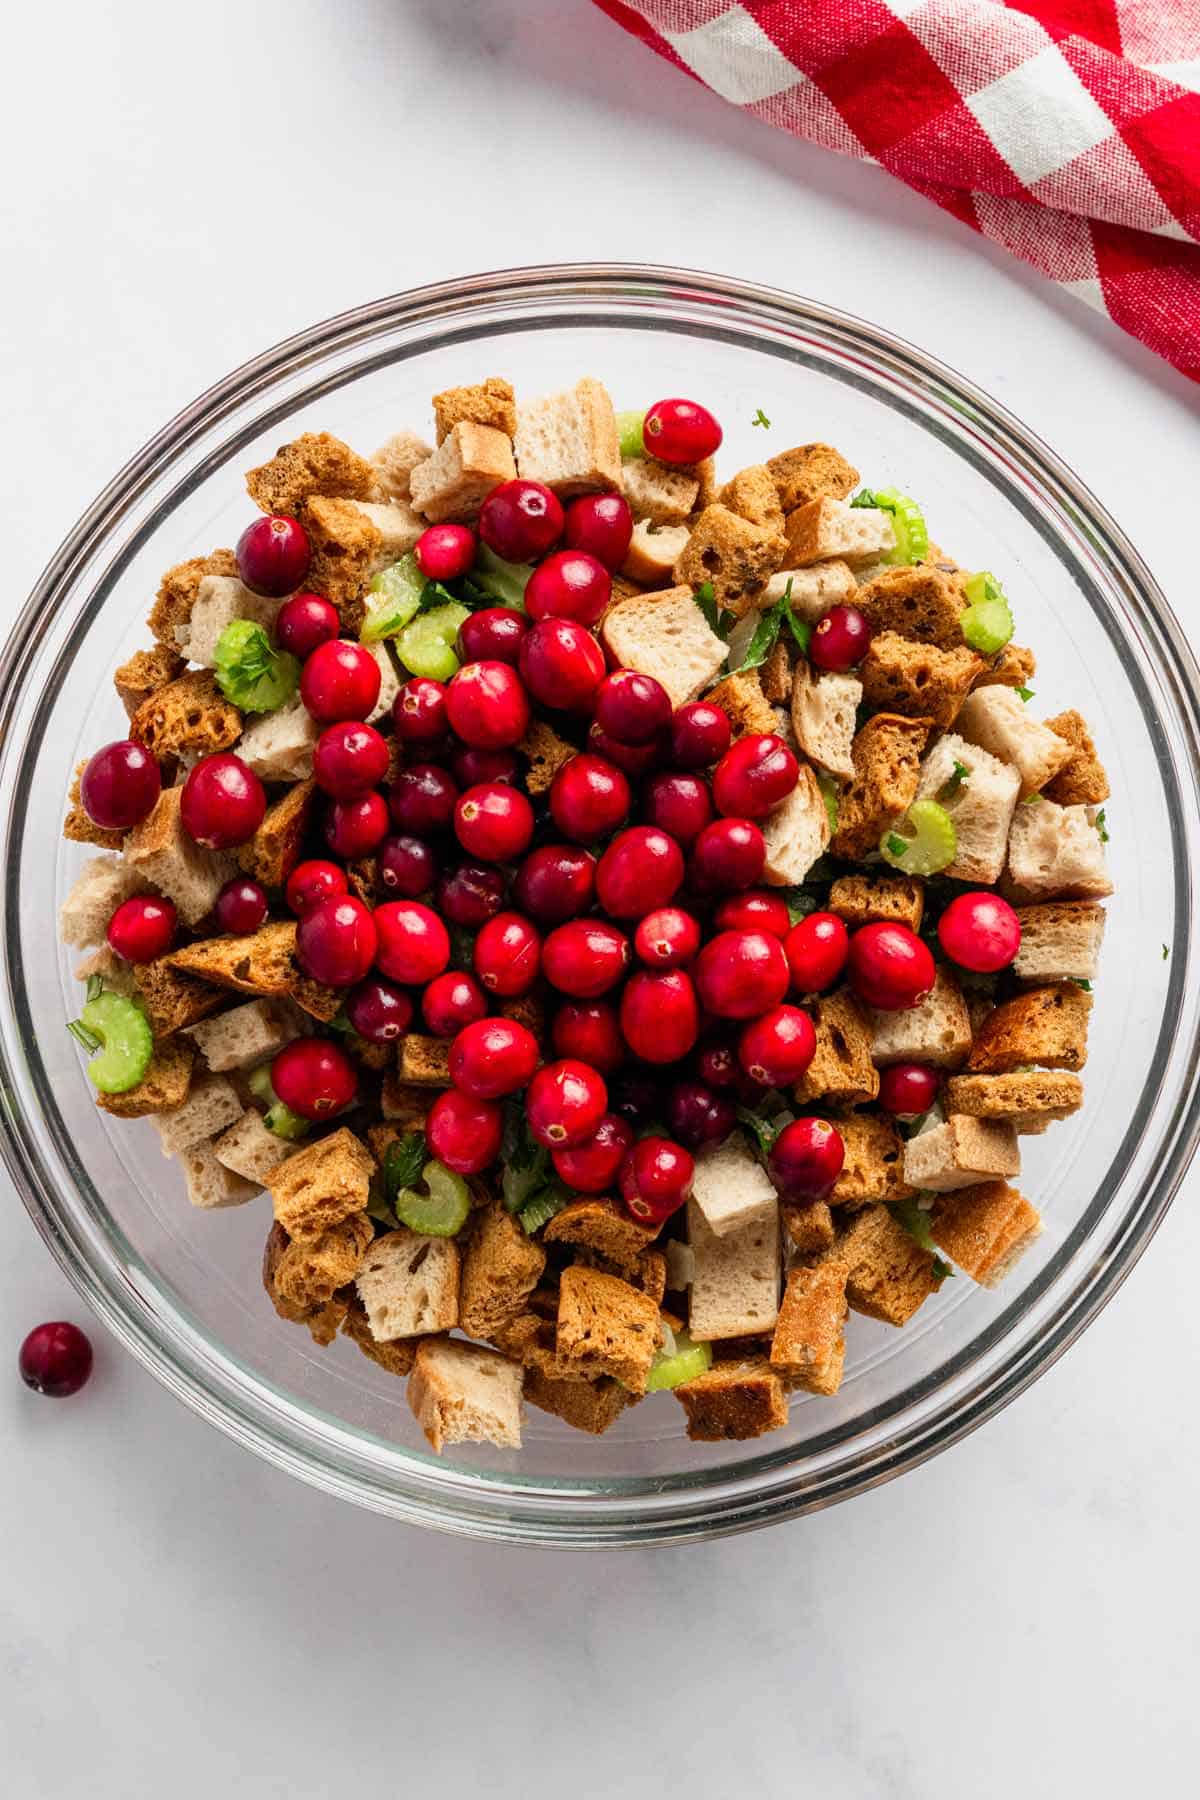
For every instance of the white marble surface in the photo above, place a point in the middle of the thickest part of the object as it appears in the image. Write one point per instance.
(185, 186)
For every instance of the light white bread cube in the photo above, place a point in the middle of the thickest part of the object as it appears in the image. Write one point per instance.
(735, 1276)
(249, 1149)
(454, 482)
(113, 971)
(961, 1152)
(409, 1285)
(102, 884)
(730, 1185)
(658, 493)
(1060, 941)
(389, 682)
(278, 746)
(980, 805)
(210, 1185)
(398, 526)
(997, 719)
(396, 460)
(220, 599)
(796, 832)
(665, 635)
(245, 1035)
(163, 856)
(1056, 853)
(824, 711)
(826, 528)
(937, 1030)
(569, 440)
(211, 1107)
(465, 1394)
(813, 591)
(653, 552)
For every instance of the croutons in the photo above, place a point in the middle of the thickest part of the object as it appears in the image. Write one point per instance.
(190, 715)
(220, 599)
(733, 1401)
(824, 713)
(396, 1356)
(811, 472)
(997, 719)
(163, 1088)
(251, 1150)
(892, 900)
(809, 1345)
(591, 1406)
(1014, 667)
(1055, 853)
(177, 593)
(919, 603)
(979, 792)
(210, 1185)
(808, 1225)
(985, 1229)
(735, 1280)
(888, 1275)
(752, 495)
(78, 828)
(144, 674)
(395, 461)
(657, 492)
(308, 1274)
(409, 1285)
(423, 1061)
(352, 540)
(729, 553)
(260, 963)
(569, 440)
(173, 1001)
(1029, 1099)
(319, 1186)
(103, 884)
(464, 1394)
(490, 402)
(730, 1186)
(279, 746)
(937, 1030)
(826, 528)
(796, 832)
(501, 1267)
(842, 1072)
(211, 1107)
(886, 756)
(606, 1327)
(667, 636)
(547, 754)
(741, 699)
(960, 1153)
(1047, 1026)
(274, 850)
(901, 675)
(605, 1228)
(1081, 781)
(315, 463)
(1060, 941)
(873, 1169)
(456, 480)
(653, 552)
(165, 857)
(811, 592)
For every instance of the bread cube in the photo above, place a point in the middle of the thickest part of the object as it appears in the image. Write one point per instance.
(809, 1345)
(873, 1166)
(250, 1149)
(1081, 781)
(735, 1282)
(826, 528)
(980, 803)
(729, 553)
(606, 1327)
(842, 1071)
(220, 599)
(409, 1285)
(920, 603)
(1014, 667)
(462, 1394)
(144, 674)
(163, 1088)
(997, 719)
(659, 493)
(352, 540)
(733, 1401)
(603, 1227)
(260, 962)
(591, 1406)
(888, 1275)
(395, 461)
(961, 1152)
(892, 900)
(920, 681)
(808, 1225)
(1029, 1099)
(937, 1030)
(730, 1187)
(653, 552)
(1055, 853)
(1045, 1027)
(824, 715)
(752, 495)
(322, 1184)
(103, 884)
(985, 1230)
(177, 593)
(461, 473)
(490, 402)
(1060, 941)
(501, 1267)
(424, 1061)
(190, 716)
(569, 440)
(667, 636)
(796, 832)
(172, 1001)
(210, 1185)
(315, 463)
(740, 697)
(811, 591)
(279, 746)
(113, 970)
(211, 1107)
(811, 472)
(547, 754)
(886, 757)
(389, 682)
(163, 856)
(274, 850)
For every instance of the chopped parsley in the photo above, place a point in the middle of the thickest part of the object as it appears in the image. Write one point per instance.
(403, 1162)
(766, 632)
(1101, 827)
(1026, 693)
(959, 774)
(715, 618)
(1080, 982)
(897, 845)
(1166, 953)
(760, 418)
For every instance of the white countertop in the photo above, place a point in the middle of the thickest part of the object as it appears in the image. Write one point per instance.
(185, 187)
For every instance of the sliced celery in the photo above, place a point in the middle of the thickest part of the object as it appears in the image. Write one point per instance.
(393, 598)
(629, 430)
(284, 1122)
(426, 646)
(259, 1082)
(922, 842)
(125, 1040)
(908, 522)
(498, 580)
(987, 623)
(679, 1360)
(250, 671)
(442, 1209)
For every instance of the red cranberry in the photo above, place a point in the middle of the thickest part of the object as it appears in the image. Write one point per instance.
(633, 708)
(313, 1077)
(452, 1000)
(592, 1167)
(680, 431)
(414, 945)
(806, 1159)
(487, 706)
(679, 804)
(890, 967)
(588, 1030)
(907, 1089)
(336, 942)
(222, 803)
(464, 1133)
(601, 524)
(406, 866)
(493, 822)
(555, 882)
(508, 955)
(776, 1049)
(493, 1057)
(565, 1103)
(631, 759)
(494, 634)
(55, 1359)
(980, 932)
(562, 665)
(570, 584)
(311, 882)
(717, 1066)
(379, 1011)
(273, 555)
(470, 895)
(841, 639)
(588, 798)
(700, 735)
(445, 552)
(340, 680)
(741, 973)
(585, 957)
(756, 910)
(667, 938)
(754, 776)
(305, 621)
(120, 785)
(419, 712)
(241, 906)
(656, 1179)
(659, 1015)
(636, 1095)
(356, 828)
(729, 853)
(349, 758)
(817, 949)
(471, 768)
(520, 520)
(422, 799)
(143, 928)
(641, 869)
(699, 1115)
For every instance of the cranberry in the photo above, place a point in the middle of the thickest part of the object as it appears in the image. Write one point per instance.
(493, 822)
(336, 941)
(656, 1178)
(273, 555)
(698, 1114)
(464, 1133)
(641, 869)
(452, 1000)
(601, 524)
(555, 882)
(776, 1049)
(349, 758)
(754, 776)
(355, 828)
(659, 1015)
(406, 866)
(493, 634)
(520, 520)
(679, 804)
(422, 799)
(493, 1057)
(633, 708)
(717, 1066)
(680, 431)
(470, 895)
(841, 639)
(570, 584)
(890, 967)
(120, 785)
(414, 945)
(562, 665)
(487, 706)
(311, 882)
(729, 853)
(588, 798)
(379, 1011)
(55, 1359)
(585, 957)
(588, 1030)
(313, 1077)
(445, 552)
(305, 621)
(631, 759)
(806, 1159)
(636, 1095)
(241, 906)
(980, 932)
(471, 768)
(907, 1089)
(340, 680)
(741, 973)
(700, 735)
(143, 928)
(419, 712)
(817, 949)
(565, 1103)
(592, 1167)
(508, 955)
(667, 938)
(222, 803)
(756, 910)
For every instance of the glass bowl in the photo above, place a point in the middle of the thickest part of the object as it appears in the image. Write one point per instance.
(182, 1289)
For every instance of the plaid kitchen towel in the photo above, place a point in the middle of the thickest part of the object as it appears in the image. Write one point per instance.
(1066, 130)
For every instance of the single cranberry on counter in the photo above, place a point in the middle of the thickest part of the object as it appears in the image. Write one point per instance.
(494, 634)
(667, 938)
(841, 639)
(755, 910)
(740, 974)
(422, 799)
(493, 822)
(890, 967)
(414, 945)
(336, 942)
(680, 804)
(633, 708)
(728, 854)
(508, 955)
(120, 785)
(698, 1114)
(717, 1065)
(349, 758)
(601, 524)
(452, 1000)
(680, 431)
(589, 1031)
(470, 895)
(493, 1057)
(445, 552)
(304, 622)
(407, 865)
(241, 906)
(570, 584)
(340, 680)
(776, 1049)
(487, 706)
(660, 1016)
(419, 711)
(806, 1159)
(700, 734)
(589, 798)
(562, 665)
(273, 555)
(592, 1167)
(631, 759)
(656, 1179)
(556, 882)
(565, 1103)
(641, 869)
(379, 1011)
(980, 932)
(817, 949)
(754, 776)
(313, 1078)
(313, 881)
(908, 1089)
(464, 1133)
(356, 828)
(55, 1359)
(585, 958)
(520, 520)
(143, 928)
(471, 768)
(223, 802)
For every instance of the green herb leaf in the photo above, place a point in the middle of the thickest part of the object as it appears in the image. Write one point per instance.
(404, 1161)
(1101, 827)
(1031, 800)
(897, 845)
(766, 632)
(761, 1130)
(541, 1209)
(915, 1220)
(760, 418)
(1025, 693)
(250, 671)
(82, 1035)
(1080, 982)
(1166, 953)
(959, 774)
(941, 1269)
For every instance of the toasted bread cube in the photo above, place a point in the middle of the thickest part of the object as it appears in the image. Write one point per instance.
(322, 1319)
(653, 552)
(397, 1356)
(886, 756)
(190, 716)
(395, 461)
(463, 1394)
(873, 1169)
(501, 1267)
(1047, 1026)
(735, 1281)
(601, 1226)
(409, 1285)
(454, 482)
(591, 1406)
(808, 1225)
(936, 1031)
(547, 753)
(1055, 853)
(220, 599)
(826, 528)
(811, 591)
(261, 962)
(177, 593)
(888, 1275)
(1081, 781)
(79, 829)
(144, 674)
(274, 850)
(741, 698)
(163, 1088)
(1013, 667)
(809, 1345)
(569, 440)
(892, 900)
(775, 675)
(490, 402)
(961, 1152)
(841, 1072)
(210, 1185)
(796, 832)
(315, 463)
(352, 540)
(811, 472)
(824, 715)
(279, 746)
(404, 1103)
(307, 1275)
(733, 1401)
(985, 1230)
(423, 1061)
(606, 1327)
(667, 636)
(322, 1184)
(731, 1187)
(919, 603)
(163, 856)
(920, 681)
(211, 1107)
(1060, 941)
(658, 492)
(752, 495)
(250, 1149)
(997, 719)
(1029, 1099)
(980, 803)
(173, 1001)
(732, 555)
(103, 884)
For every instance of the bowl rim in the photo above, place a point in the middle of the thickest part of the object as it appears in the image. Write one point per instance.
(477, 1505)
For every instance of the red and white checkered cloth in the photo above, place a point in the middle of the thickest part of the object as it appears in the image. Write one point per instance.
(1066, 130)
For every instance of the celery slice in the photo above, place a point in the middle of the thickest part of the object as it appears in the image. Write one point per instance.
(426, 646)
(498, 580)
(679, 1360)
(629, 431)
(259, 1082)
(987, 623)
(908, 522)
(285, 1123)
(250, 671)
(124, 1039)
(442, 1209)
(923, 841)
(393, 598)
